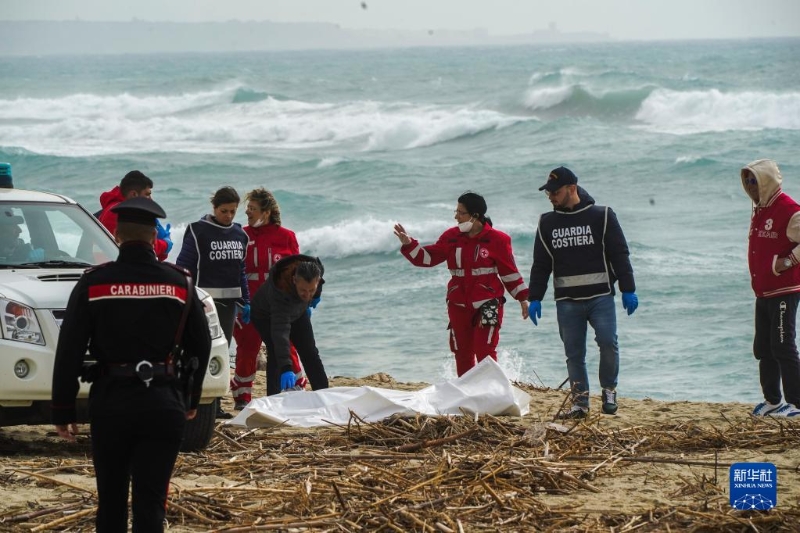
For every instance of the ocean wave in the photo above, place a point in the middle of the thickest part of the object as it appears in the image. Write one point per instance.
(572, 91)
(694, 160)
(365, 236)
(432, 125)
(580, 100)
(330, 161)
(125, 105)
(234, 119)
(683, 112)
(244, 95)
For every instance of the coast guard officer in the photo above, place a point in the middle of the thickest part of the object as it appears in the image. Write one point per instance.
(142, 322)
(582, 245)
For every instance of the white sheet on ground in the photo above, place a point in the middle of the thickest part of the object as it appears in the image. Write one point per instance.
(485, 389)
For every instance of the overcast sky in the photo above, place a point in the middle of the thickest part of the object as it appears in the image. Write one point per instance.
(622, 19)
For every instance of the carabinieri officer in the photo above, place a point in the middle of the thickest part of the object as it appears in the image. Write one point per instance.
(134, 315)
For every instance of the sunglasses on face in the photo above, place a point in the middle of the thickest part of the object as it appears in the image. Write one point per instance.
(751, 181)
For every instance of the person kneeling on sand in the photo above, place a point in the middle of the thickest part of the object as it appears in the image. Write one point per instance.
(773, 256)
(280, 315)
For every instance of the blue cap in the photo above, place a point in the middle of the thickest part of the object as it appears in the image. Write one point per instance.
(558, 178)
(5, 176)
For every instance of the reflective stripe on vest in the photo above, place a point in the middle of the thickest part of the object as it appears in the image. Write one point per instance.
(581, 280)
(224, 292)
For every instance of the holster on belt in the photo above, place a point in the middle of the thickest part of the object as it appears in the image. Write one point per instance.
(188, 368)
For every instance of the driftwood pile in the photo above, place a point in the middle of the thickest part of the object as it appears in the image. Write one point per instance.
(431, 474)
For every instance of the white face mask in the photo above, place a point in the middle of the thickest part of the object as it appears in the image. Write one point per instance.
(257, 223)
(464, 227)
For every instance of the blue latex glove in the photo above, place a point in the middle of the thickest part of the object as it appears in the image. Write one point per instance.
(315, 301)
(287, 380)
(246, 313)
(163, 234)
(630, 302)
(37, 254)
(535, 311)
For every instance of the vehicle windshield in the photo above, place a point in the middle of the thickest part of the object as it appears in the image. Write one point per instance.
(41, 235)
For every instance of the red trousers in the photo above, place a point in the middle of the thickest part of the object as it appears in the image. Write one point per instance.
(248, 344)
(470, 341)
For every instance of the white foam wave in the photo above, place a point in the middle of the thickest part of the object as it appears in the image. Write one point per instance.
(364, 236)
(547, 97)
(85, 125)
(684, 112)
(418, 127)
(124, 105)
(549, 89)
(330, 162)
(372, 236)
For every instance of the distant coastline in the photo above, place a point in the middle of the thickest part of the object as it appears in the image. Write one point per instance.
(142, 37)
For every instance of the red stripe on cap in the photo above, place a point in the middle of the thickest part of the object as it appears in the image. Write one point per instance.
(137, 290)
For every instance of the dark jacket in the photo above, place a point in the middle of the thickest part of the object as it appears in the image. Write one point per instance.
(215, 254)
(127, 311)
(277, 301)
(585, 250)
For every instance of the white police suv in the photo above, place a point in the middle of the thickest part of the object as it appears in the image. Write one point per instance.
(46, 242)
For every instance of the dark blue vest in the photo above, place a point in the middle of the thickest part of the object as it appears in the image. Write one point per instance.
(220, 258)
(575, 242)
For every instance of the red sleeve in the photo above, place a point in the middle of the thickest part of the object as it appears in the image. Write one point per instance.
(507, 268)
(108, 218)
(426, 256)
(160, 248)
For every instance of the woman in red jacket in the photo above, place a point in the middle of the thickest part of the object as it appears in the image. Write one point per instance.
(482, 265)
(269, 242)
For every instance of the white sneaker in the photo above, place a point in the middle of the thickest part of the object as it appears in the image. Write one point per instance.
(766, 408)
(787, 411)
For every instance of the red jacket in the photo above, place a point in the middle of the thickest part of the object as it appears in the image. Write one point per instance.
(480, 266)
(768, 241)
(109, 219)
(268, 244)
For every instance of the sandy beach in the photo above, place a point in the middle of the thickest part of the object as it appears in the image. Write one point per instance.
(655, 466)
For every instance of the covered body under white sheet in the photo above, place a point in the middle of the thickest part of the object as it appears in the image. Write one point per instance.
(485, 389)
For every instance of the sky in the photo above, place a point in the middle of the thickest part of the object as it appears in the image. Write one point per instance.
(621, 19)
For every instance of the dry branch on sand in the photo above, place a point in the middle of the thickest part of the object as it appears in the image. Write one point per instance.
(457, 473)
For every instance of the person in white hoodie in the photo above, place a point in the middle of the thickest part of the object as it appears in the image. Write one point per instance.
(773, 256)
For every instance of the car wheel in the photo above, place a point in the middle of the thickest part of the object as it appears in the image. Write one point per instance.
(198, 432)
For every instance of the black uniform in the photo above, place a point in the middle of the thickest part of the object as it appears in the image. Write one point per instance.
(281, 318)
(126, 312)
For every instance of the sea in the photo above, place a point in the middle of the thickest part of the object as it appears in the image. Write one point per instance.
(352, 142)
